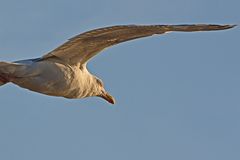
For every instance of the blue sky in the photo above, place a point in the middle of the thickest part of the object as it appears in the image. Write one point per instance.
(177, 94)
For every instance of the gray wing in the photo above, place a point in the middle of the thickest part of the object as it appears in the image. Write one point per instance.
(83, 47)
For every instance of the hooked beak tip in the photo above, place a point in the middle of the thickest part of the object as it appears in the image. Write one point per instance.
(108, 98)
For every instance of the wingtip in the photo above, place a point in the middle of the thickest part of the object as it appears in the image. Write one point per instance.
(229, 26)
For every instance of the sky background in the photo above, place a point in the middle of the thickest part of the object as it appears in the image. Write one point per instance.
(178, 95)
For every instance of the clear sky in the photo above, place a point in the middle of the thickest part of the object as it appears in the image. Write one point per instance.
(178, 95)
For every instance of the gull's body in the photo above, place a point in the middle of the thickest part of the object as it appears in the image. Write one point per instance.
(52, 78)
(63, 71)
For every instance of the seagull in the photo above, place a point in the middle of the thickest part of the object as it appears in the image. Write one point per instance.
(63, 71)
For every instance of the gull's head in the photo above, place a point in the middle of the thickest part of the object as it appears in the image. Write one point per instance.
(101, 92)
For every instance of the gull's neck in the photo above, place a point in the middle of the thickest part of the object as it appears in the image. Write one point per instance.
(86, 82)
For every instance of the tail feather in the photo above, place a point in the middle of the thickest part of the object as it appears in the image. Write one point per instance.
(6, 70)
(3, 81)
(2, 77)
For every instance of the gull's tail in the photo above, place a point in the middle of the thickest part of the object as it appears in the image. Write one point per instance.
(2, 82)
(195, 28)
(3, 73)
(6, 71)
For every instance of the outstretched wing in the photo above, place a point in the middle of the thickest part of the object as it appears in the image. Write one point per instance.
(83, 47)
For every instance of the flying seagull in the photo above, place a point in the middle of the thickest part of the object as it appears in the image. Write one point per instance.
(63, 72)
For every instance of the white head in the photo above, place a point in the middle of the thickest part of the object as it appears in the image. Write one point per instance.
(101, 92)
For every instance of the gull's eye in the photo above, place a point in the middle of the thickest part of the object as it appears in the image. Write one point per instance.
(99, 82)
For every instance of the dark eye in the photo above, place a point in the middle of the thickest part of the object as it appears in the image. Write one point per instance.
(99, 82)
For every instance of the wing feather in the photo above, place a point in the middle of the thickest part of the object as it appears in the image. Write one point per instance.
(83, 47)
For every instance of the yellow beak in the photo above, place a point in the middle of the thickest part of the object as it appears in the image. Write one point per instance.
(108, 97)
